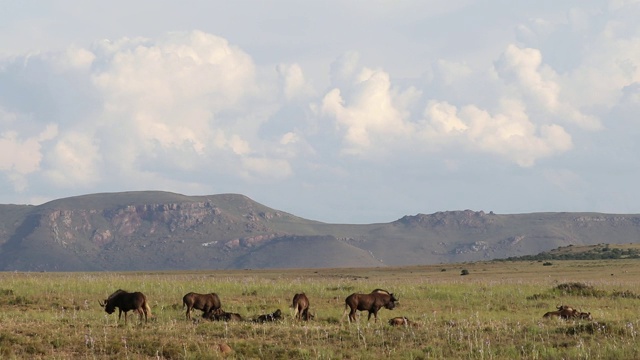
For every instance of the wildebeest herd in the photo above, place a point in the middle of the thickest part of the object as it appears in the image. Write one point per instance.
(211, 307)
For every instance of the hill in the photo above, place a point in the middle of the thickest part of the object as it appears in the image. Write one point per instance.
(153, 230)
(587, 252)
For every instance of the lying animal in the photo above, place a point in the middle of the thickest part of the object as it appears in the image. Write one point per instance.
(566, 312)
(221, 315)
(401, 321)
(274, 316)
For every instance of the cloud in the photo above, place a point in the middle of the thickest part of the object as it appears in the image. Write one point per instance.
(375, 119)
(193, 111)
(508, 133)
(293, 82)
(74, 161)
(370, 113)
(20, 154)
(522, 68)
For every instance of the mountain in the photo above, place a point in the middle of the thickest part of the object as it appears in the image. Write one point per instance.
(153, 230)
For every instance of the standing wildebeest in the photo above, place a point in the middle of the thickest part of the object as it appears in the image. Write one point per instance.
(274, 316)
(204, 302)
(372, 302)
(301, 306)
(126, 301)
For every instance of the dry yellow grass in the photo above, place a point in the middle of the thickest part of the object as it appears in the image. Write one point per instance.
(495, 312)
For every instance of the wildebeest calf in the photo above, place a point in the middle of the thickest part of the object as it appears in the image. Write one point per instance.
(221, 315)
(568, 313)
(274, 316)
(204, 302)
(372, 302)
(301, 306)
(401, 321)
(126, 301)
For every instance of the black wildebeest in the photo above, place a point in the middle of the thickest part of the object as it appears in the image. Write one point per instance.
(221, 315)
(204, 302)
(301, 306)
(372, 302)
(126, 301)
(274, 316)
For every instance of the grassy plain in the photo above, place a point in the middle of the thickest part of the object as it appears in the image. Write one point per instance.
(495, 312)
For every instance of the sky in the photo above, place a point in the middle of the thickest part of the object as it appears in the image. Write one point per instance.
(347, 111)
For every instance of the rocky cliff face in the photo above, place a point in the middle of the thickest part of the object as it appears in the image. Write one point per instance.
(161, 231)
(466, 218)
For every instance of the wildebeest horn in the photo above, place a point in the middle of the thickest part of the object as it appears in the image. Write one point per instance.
(101, 303)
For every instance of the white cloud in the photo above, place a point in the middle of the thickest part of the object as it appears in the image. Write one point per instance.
(508, 133)
(293, 82)
(502, 85)
(523, 68)
(19, 156)
(369, 116)
(74, 161)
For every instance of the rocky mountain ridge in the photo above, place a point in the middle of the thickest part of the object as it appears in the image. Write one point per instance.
(166, 231)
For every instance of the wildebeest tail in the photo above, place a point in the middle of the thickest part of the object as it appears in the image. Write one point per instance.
(346, 310)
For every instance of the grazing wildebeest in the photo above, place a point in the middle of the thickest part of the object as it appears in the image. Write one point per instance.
(372, 302)
(221, 315)
(204, 302)
(301, 306)
(126, 301)
(274, 316)
(401, 321)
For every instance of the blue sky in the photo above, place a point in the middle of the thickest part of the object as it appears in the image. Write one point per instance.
(337, 111)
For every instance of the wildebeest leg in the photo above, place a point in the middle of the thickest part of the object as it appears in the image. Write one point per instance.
(188, 314)
(375, 316)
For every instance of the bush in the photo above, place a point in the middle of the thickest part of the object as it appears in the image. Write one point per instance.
(464, 272)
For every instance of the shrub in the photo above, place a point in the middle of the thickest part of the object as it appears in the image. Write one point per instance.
(464, 272)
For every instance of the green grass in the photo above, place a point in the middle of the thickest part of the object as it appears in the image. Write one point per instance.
(495, 312)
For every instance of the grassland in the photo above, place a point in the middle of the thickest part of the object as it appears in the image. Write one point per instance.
(495, 312)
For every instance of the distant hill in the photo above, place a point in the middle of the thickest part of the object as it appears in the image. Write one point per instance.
(153, 230)
(586, 252)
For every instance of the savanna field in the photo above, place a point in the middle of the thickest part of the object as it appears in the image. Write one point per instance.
(494, 312)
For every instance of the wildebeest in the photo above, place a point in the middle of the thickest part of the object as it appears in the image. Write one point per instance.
(274, 316)
(563, 314)
(301, 306)
(567, 312)
(204, 302)
(401, 321)
(221, 315)
(372, 302)
(126, 301)
(584, 315)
